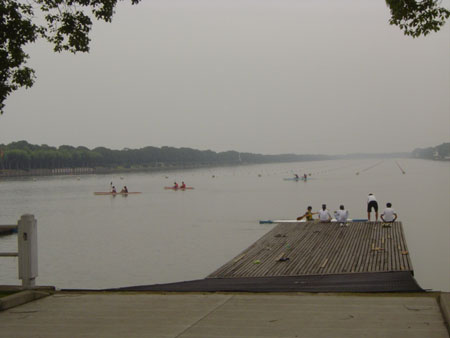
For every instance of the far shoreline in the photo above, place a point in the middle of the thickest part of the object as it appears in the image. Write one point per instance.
(160, 167)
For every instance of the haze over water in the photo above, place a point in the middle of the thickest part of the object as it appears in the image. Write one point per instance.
(160, 236)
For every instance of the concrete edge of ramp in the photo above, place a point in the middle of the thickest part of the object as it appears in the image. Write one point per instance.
(444, 302)
(24, 297)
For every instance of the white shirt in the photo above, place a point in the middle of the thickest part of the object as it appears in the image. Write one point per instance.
(341, 215)
(324, 215)
(388, 214)
(371, 198)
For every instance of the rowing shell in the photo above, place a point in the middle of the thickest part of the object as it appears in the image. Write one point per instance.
(297, 179)
(303, 220)
(173, 188)
(116, 193)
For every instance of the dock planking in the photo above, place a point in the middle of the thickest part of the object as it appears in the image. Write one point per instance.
(313, 257)
(312, 248)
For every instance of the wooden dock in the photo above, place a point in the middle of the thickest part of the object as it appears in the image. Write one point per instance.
(311, 248)
(313, 257)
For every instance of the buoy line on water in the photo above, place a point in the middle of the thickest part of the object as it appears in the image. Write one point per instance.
(401, 169)
(368, 168)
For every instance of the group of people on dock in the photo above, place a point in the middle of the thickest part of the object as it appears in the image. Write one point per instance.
(388, 215)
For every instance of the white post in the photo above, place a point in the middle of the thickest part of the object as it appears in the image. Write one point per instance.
(27, 244)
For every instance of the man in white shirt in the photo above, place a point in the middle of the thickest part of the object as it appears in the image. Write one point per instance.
(341, 215)
(388, 214)
(324, 214)
(372, 204)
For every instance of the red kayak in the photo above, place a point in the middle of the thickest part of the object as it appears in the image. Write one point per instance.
(173, 188)
(116, 193)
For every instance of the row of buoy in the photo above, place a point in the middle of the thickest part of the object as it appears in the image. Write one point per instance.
(372, 166)
(378, 163)
(401, 169)
(319, 172)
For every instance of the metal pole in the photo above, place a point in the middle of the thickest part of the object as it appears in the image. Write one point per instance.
(27, 245)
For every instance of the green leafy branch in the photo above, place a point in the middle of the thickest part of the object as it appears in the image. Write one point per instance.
(417, 18)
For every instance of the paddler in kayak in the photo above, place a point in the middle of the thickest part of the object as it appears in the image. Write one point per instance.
(175, 185)
(124, 190)
(308, 215)
(113, 190)
(182, 186)
(296, 176)
(305, 177)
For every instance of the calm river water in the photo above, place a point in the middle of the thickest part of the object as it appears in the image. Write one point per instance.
(159, 236)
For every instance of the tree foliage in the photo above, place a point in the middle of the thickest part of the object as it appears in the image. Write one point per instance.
(64, 23)
(22, 155)
(417, 18)
(440, 152)
(67, 24)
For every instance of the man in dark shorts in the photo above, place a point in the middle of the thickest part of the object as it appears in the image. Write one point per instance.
(372, 204)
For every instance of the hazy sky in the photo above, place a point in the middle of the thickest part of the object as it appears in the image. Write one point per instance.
(263, 76)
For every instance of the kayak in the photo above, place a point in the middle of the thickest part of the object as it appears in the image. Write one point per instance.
(116, 193)
(173, 188)
(303, 220)
(281, 221)
(296, 179)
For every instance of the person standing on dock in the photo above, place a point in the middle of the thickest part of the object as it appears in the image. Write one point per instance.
(341, 216)
(324, 214)
(308, 215)
(388, 215)
(372, 204)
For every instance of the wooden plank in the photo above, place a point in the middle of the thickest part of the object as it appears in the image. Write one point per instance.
(388, 245)
(404, 254)
(305, 251)
(334, 248)
(350, 239)
(354, 233)
(361, 247)
(321, 251)
(395, 251)
(340, 251)
(368, 250)
(408, 257)
(400, 247)
(378, 250)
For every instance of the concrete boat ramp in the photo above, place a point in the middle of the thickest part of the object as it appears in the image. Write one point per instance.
(225, 315)
(369, 259)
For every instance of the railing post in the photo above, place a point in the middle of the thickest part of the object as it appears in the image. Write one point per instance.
(27, 245)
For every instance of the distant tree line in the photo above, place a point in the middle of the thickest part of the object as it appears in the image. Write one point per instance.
(22, 155)
(440, 152)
